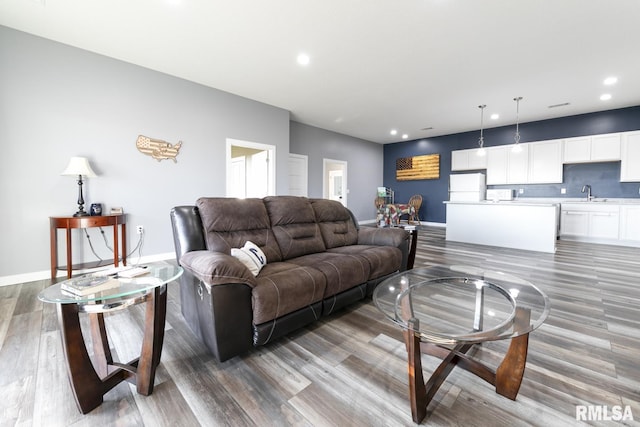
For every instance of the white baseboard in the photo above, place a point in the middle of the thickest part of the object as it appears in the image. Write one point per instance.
(46, 274)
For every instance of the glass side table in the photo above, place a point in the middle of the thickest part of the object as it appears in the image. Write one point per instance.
(91, 381)
(445, 310)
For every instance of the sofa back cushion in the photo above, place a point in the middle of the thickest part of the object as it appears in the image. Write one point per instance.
(335, 222)
(293, 223)
(230, 223)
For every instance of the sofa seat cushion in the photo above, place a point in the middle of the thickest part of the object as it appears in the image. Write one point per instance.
(342, 271)
(283, 288)
(382, 260)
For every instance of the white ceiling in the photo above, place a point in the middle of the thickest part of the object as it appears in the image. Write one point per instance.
(375, 64)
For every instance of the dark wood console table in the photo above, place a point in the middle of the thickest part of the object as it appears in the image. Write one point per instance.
(70, 222)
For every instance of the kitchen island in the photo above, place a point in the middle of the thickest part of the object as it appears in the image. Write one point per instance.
(509, 224)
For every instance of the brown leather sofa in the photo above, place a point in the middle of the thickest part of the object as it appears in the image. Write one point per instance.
(318, 261)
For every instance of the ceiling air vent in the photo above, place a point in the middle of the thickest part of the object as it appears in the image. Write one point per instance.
(427, 128)
(564, 104)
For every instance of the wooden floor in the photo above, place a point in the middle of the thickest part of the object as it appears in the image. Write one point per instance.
(350, 369)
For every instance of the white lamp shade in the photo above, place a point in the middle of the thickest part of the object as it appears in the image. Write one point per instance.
(79, 166)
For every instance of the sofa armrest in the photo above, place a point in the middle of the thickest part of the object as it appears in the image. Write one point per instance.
(383, 236)
(216, 268)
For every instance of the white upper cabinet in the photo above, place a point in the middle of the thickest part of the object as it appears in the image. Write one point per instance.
(545, 162)
(462, 160)
(596, 148)
(630, 157)
(504, 166)
(577, 150)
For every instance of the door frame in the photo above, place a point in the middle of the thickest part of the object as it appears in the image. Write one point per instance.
(271, 185)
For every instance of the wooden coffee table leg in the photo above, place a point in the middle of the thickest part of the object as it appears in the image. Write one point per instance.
(511, 371)
(417, 389)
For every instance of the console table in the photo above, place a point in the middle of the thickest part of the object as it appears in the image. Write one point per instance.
(70, 222)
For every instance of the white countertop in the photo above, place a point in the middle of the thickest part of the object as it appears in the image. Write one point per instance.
(551, 201)
(505, 203)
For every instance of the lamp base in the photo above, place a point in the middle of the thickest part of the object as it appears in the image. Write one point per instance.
(81, 213)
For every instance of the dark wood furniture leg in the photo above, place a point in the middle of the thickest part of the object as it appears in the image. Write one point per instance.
(123, 239)
(87, 387)
(69, 254)
(155, 315)
(511, 371)
(53, 237)
(507, 378)
(417, 390)
(90, 384)
(412, 250)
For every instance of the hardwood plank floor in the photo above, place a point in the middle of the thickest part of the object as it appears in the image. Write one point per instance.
(350, 369)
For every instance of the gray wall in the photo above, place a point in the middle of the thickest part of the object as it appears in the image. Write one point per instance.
(57, 102)
(364, 169)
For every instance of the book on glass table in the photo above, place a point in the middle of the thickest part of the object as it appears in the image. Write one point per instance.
(88, 285)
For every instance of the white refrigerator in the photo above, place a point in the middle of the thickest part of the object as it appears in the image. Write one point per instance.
(467, 187)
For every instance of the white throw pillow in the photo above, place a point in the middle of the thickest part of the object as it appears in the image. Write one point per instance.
(251, 256)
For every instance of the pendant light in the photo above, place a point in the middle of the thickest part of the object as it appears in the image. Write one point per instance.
(516, 146)
(481, 150)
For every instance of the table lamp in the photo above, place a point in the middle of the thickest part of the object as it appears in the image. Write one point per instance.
(79, 166)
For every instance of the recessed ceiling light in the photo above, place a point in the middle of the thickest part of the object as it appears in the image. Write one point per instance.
(495, 116)
(405, 136)
(303, 59)
(605, 97)
(610, 81)
(393, 132)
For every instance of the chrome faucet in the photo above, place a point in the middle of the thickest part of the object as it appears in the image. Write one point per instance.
(587, 188)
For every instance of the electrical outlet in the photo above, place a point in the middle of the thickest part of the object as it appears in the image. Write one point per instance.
(521, 191)
(140, 229)
(563, 191)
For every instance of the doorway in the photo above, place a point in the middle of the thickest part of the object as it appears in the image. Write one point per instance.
(334, 183)
(250, 169)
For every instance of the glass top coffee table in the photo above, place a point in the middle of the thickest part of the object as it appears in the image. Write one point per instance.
(90, 381)
(445, 310)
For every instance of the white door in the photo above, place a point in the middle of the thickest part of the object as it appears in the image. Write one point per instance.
(238, 178)
(258, 175)
(298, 175)
(334, 183)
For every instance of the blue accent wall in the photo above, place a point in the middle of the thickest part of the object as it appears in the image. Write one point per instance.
(604, 178)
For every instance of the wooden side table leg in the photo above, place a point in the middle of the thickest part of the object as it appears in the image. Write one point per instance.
(115, 245)
(123, 239)
(154, 322)
(511, 371)
(53, 231)
(69, 254)
(88, 389)
(412, 251)
(101, 350)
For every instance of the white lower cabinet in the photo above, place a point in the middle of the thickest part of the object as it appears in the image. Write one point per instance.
(574, 222)
(630, 223)
(590, 221)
